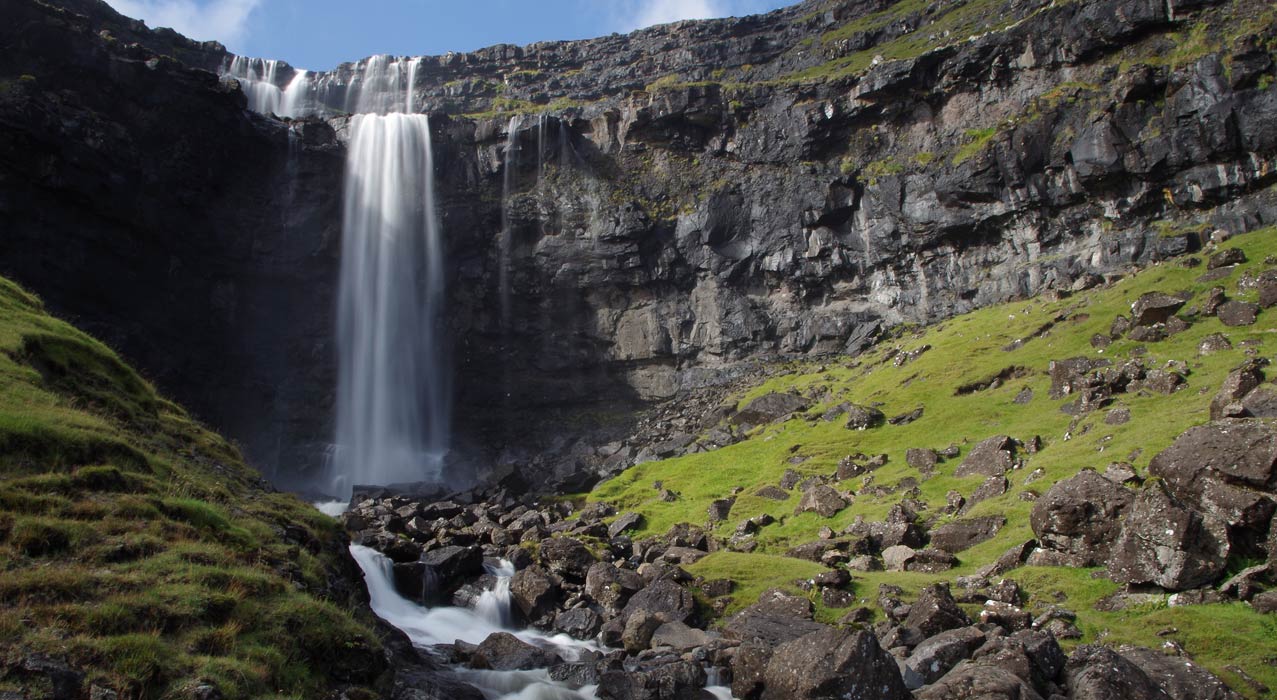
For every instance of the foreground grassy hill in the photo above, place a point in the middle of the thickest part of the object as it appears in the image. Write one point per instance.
(949, 371)
(140, 555)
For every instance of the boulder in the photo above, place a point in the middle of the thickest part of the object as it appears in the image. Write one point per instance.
(774, 493)
(639, 628)
(936, 611)
(663, 597)
(566, 556)
(1226, 470)
(983, 681)
(1164, 543)
(991, 457)
(1239, 382)
(503, 651)
(1095, 672)
(534, 592)
(863, 417)
(937, 654)
(581, 623)
(822, 500)
(1178, 677)
(1237, 313)
(922, 459)
(1226, 258)
(959, 535)
(1080, 517)
(776, 618)
(720, 509)
(1266, 285)
(678, 636)
(833, 663)
(627, 521)
(769, 408)
(1154, 307)
(897, 557)
(610, 586)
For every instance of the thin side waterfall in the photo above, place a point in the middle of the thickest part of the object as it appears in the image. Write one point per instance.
(507, 235)
(256, 78)
(393, 389)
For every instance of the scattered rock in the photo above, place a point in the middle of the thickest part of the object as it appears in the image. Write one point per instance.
(963, 534)
(821, 500)
(833, 663)
(1237, 313)
(1166, 544)
(935, 611)
(1080, 517)
(503, 651)
(991, 457)
(769, 408)
(1154, 307)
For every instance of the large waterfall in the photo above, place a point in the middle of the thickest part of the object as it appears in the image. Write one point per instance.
(393, 391)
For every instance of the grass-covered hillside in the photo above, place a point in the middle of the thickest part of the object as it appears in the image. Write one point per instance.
(139, 554)
(949, 371)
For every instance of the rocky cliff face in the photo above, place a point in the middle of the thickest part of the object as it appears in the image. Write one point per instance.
(634, 217)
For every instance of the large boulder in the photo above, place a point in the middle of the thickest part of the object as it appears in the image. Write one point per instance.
(1226, 470)
(991, 457)
(935, 656)
(1178, 677)
(962, 534)
(935, 611)
(503, 651)
(1080, 517)
(534, 592)
(566, 557)
(822, 500)
(611, 586)
(663, 597)
(1240, 382)
(1154, 307)
(438, 573)
(979, 681)
(769, 408)
(833, 663)
(776, 618)
(1095, 672)
(1167, 544)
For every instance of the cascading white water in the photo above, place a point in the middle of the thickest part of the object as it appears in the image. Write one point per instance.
(494, 605)
(393, 390)
(377, 85)
(445, 625)
(257, 78)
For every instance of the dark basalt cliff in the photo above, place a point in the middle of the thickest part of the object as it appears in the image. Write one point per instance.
(683, 200)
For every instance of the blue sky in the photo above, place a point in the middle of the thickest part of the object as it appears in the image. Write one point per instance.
(319, 34)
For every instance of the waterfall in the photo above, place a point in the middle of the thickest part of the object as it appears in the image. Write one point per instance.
(494, 605)
(377, 85)
(393, 390)
(508, 183)
(256, 78)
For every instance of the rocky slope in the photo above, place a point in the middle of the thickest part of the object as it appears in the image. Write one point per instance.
(788, 184)
(1083, 508)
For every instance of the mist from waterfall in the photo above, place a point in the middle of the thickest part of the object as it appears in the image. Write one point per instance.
(393, 394)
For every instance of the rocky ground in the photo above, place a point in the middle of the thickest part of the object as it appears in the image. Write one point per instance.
(943, 593)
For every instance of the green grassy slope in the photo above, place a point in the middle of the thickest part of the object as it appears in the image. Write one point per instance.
(966, 350)
(137, 546)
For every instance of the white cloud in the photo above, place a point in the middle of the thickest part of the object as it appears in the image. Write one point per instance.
(223, 20)
(645, 13)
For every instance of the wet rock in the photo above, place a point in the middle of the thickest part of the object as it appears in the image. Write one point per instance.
(503, 651)
(1237, 313)
(1080, 517)
(991, 457)
(1166, 544)
(936, 611)
(770, 408)
(581, 623)
(1154, 307)
(833, 663)
(534, 592)
(822, 500)
(963, 534)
